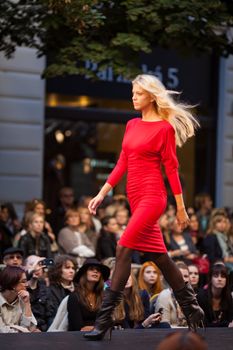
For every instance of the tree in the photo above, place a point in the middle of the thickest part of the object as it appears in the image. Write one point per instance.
(113, 32)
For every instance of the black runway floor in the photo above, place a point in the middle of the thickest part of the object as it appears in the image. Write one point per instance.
(217, 338)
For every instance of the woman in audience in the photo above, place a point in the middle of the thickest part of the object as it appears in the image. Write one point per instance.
(149, 279)
(216, 300)
(194, 276)
(35, 241)
(72, 241)
(93, 225)
(107, 241)
(61, 276)
(134, 310)
(166, 301)
(181, 245)
(38, 206)
(84, 303)
(39, 295)
(15, 308)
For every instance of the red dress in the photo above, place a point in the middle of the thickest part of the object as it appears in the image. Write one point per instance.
(146, 145)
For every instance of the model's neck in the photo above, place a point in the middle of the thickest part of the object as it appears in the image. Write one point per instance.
(149, 114)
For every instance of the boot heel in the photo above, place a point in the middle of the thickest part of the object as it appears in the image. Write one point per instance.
(108, 334)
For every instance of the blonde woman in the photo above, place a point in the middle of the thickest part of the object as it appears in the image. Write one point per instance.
(148, 142)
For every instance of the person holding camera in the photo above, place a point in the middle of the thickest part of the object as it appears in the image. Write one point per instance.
(35, 268)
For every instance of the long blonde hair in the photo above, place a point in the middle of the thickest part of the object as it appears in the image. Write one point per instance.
(177, 114)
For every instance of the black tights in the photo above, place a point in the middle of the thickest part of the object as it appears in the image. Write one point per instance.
(123, 265)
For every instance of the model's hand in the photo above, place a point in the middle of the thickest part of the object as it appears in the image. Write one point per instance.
(94, 203)
(24, 296)
(182, 217)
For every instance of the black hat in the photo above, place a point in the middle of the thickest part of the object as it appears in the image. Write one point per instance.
(12, 250)
(105, 271)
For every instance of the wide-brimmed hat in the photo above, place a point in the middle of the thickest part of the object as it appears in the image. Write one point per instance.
(105, 271)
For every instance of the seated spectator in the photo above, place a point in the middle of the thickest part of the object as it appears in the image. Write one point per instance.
(194, 276)
(66, 201)
(122, 217)
(9, 217)
(72, 240)
(35, 242)
(15, 308)
(107, 241)
(216, 300)
(85, 301)
(6, 237)
(39, 296)
(194, 232)
(39, 207)
(13, 257)
(216, 243)
(166, 301)
(92, 224)
(182, 341)
(61, 276)
(134, 310)
(149, 279)
(181, 245)
(203, 204)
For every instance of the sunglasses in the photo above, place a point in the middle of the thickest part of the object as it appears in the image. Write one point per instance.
(17, 256)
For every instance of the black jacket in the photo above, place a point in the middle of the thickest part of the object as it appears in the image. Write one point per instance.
(56, 294)
(78, 314)
(40, 304)
(35, 246)
(212, 248)
(106, 245)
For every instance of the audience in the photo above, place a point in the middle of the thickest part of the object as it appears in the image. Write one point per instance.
(206, 245)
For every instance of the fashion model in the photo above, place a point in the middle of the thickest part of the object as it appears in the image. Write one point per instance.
(149, 142)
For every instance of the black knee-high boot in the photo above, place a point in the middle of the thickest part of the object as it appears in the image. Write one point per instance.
(188, 302)
(104, 320)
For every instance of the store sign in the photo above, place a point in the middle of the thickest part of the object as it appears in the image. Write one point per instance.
(191, 75)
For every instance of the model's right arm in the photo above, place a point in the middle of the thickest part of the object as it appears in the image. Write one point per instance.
(112, 180)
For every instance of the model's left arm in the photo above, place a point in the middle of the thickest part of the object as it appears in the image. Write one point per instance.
(171, 164)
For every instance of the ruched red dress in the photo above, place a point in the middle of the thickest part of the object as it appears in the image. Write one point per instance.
(145, 146)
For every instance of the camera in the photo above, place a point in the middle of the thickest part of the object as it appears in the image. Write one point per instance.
(46, 262)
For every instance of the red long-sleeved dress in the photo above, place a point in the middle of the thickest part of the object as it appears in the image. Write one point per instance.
(145, 146)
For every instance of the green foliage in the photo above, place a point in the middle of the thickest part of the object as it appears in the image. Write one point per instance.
(113, 32)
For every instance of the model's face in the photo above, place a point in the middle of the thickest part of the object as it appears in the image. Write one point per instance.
(39, 209)
(112, 226)
(93, 274)
(193, 275)
(194, 224)
(150, 275)
(37, 225)
(218, 280)
(141, 98)
(68, 271)
(73, 220)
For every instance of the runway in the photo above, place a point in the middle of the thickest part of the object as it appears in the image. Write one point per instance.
(145, 339)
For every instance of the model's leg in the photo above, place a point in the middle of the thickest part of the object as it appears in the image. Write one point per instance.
(114, 295)
(183, 291)
(122, 268)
